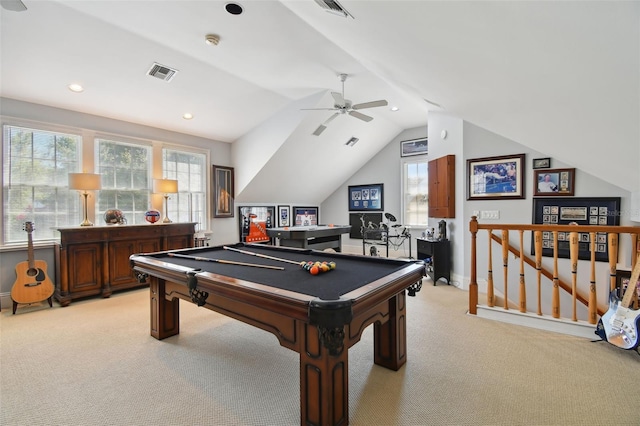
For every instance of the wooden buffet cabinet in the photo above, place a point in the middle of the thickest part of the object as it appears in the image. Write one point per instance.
(94, 260)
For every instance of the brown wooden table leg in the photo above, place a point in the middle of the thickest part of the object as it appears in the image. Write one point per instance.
(324, 381)
(165, 314)
(390, 338)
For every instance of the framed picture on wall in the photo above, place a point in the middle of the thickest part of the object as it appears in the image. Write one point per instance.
(551, 182)
(223, 191)
(305, 216)
(254, 222)
(366, 197)
(414, 147)
(284, 218)
(583, 211)
(496, 178)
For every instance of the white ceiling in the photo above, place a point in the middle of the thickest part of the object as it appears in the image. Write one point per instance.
(559, 77)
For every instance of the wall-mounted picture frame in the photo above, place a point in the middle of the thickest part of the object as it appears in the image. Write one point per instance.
(541, 163)
(305, 216)
(366, 197)
(254, 222)
(623, 278)
(496, 178)
(284, 216)
(581, 210)
(414, 147)
(223, 191)
(550, 182)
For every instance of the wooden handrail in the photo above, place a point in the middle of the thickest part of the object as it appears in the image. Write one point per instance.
(588, 300)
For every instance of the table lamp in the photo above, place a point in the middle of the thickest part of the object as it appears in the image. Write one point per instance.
(165, 187)
(85, 182)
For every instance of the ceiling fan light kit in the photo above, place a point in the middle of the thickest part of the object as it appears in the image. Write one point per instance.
(345, 106)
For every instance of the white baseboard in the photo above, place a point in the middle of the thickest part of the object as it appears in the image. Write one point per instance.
(541, 322)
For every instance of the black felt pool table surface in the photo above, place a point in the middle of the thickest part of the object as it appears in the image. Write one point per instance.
(351, 272)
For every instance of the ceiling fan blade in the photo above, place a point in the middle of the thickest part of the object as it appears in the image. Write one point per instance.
(13, 5)
(371, 104)
(338, 99)
(323, 126)
(318, 109)
(360, 115)
(319, 130)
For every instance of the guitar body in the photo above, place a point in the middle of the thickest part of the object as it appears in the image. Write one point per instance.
(619, 325)
(32, 283)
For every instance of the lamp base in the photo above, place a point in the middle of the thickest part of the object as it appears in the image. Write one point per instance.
(86, 223)
(166, 209)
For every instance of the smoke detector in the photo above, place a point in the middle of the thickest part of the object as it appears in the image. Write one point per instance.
(212, 39)
(162, 72)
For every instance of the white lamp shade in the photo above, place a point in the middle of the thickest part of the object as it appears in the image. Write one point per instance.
(84, 181)
(165, 186)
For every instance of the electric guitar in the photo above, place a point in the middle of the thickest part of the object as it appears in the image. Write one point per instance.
(32, 283)
(619, 325)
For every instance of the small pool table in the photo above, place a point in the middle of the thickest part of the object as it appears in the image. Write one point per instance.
(318, 316)
(317, 237)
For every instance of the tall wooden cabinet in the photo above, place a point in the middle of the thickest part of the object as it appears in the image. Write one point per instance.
(442, 187)
(94, 260)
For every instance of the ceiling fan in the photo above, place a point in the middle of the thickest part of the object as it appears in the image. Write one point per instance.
(13, 5)
(345, 106)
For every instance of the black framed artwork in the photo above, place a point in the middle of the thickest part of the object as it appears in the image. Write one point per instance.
(254, 222)
(366, 197)
(361, 222)
(603, 211)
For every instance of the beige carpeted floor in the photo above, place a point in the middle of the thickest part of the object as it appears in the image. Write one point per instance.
(94, 363)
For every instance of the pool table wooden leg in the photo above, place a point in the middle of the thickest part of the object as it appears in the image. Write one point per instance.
(165, 314)
(390, 337)
(324, 381)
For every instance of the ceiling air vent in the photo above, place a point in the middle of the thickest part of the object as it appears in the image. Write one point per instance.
(162, 72)
(332, 6)
(352, 141)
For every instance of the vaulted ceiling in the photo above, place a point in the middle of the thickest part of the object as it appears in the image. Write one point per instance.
(559, 77)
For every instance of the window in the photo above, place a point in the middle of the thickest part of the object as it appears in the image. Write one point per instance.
(36, 164)
(416, 192)
(126, 186)
(189, 204)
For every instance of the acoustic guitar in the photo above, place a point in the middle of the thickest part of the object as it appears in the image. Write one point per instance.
(619, 325)
(32, 283)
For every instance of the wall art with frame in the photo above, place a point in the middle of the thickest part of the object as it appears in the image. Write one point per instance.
(493, 178)
(254, 222)
(551, 182)
(364, 223)
(541, 163)
(366, 197)
(414, 147)
(284, 216)
(305, 216)
(623, 277)
(223, 191)
(603, 211)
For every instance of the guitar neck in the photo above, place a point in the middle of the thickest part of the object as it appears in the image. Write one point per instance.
(631, 287)
(30, 256)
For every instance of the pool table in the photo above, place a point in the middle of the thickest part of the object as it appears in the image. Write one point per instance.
(318, 237)
(318, 316)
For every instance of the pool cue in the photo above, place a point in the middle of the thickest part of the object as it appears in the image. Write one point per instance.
(261, 255)
(230, 262)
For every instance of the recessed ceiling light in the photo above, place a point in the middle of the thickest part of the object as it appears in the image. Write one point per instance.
(233, 8)
(187, 116)
(394, 108)
(76, 88)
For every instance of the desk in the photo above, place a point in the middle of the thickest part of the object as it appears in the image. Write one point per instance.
(317, 237)
(318, 316)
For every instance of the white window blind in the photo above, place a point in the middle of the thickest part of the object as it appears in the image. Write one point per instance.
(36, 165)
(416, 193)
(126, 184)
(189, 169)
